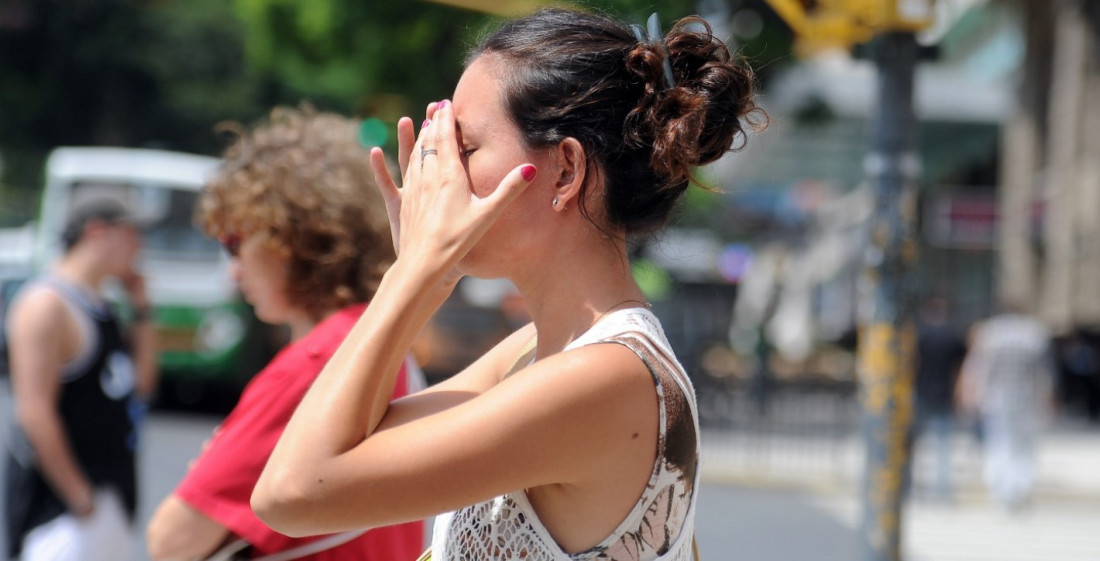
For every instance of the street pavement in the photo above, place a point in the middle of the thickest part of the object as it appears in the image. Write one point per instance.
(747, 514)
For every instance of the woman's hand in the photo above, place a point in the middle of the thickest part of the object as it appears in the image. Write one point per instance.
(406, 140)
(435, 216)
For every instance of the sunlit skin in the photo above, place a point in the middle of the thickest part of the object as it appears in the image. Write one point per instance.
(577, 430)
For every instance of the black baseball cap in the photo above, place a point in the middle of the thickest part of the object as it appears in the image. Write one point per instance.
(105, 209)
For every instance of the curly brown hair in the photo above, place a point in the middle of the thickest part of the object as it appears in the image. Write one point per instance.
(301, 179)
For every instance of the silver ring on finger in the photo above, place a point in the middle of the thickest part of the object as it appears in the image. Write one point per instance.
(425, 152)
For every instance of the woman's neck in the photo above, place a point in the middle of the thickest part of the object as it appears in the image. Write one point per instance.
(585, 287)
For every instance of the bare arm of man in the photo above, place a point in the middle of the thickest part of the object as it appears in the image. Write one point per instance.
(142, 336)
(42, 337)
(143, 340)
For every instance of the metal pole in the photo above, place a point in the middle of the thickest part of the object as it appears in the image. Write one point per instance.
(887, 339)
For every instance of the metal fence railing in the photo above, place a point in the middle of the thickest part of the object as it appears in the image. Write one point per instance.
(804, 431)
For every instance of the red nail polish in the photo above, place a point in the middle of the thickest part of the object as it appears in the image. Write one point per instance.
(528, 172)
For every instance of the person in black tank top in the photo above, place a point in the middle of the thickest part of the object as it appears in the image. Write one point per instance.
(74, 382)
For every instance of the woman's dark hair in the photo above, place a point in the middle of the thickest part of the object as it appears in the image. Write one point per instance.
(569, 74)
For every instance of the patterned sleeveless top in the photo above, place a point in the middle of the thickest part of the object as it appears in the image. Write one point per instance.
(661, 524)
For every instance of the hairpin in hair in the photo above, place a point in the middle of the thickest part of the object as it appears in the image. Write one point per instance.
(653, 35)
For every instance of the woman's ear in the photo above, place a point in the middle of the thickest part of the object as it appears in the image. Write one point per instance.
(572, 173)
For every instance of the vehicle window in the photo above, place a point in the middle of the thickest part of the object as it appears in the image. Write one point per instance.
(167, 211)
(174, 236)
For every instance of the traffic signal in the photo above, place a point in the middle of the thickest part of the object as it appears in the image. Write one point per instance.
(822, 24)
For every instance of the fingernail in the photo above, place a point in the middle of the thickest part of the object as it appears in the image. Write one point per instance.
(425, 124)
(442, 104)
(528, 172)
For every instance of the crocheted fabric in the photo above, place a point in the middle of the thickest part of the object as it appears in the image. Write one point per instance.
(660, 525)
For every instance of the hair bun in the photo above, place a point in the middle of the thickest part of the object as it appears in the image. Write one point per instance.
(704, 115)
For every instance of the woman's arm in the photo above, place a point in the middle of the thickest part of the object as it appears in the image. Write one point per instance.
(348, 399)
(439, 219)
(554, 422)
(178, 531)
(472, 381)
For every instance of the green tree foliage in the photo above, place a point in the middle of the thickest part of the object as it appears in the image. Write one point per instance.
(380, 57)
(121, 72)
(114, 72)
(385, 58)
(162, 73)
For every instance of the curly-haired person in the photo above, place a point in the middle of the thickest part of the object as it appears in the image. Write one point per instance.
(297, 210)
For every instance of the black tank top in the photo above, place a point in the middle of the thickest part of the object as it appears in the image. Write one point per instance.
(95, 406)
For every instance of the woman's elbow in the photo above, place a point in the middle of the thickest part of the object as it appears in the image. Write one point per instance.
(283, 505)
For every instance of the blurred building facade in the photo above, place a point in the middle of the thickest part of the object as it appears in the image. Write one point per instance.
(799, 189)
(1009, 111)
(1050, 189)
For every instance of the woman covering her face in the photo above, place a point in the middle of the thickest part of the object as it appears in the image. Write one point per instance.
(576, 437)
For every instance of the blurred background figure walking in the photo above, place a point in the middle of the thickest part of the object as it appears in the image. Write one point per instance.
(71, 482)
(1007, 381)
(941, 348)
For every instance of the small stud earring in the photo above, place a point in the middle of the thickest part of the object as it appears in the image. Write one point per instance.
(554, 202)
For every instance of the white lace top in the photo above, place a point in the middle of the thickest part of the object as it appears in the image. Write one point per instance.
(660, 525)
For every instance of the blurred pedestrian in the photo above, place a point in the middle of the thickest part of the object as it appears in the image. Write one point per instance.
(569, 132)
(76, 377)
(1007, 381)
(296, 209)
(941, 348)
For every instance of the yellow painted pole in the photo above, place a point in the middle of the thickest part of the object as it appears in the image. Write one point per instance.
(887, 340)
